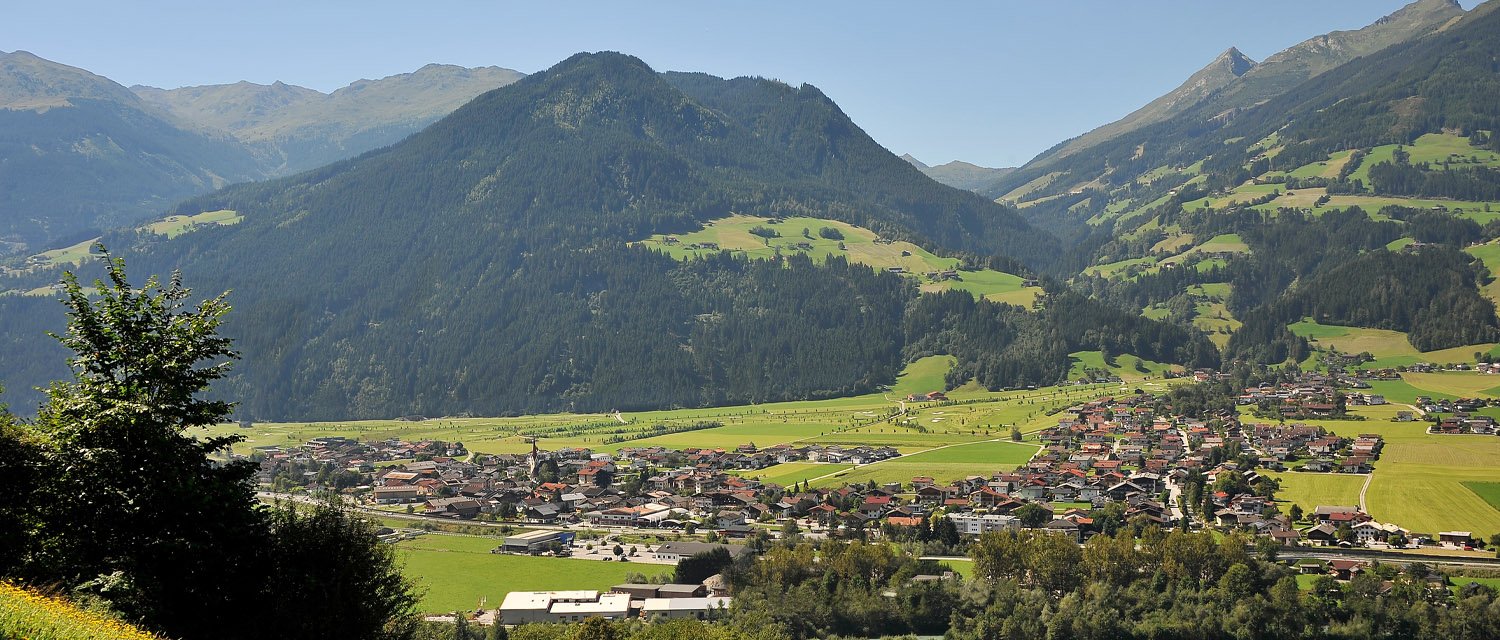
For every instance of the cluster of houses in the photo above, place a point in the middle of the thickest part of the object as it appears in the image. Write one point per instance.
(1312, 449)
(1111, 450)
(1312, 396)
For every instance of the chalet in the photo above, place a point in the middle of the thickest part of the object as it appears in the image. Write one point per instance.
(1323, 534)
(1346, 569)
(1457, 538)
(394, 495)
(464, 508)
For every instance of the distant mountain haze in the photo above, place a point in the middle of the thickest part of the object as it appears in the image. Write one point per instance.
(82, 153)
(959, 174)
(295, 128)
(79, 153)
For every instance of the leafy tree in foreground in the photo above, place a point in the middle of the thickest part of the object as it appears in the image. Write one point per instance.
(19, 454)
(123, 502)
(137, 511)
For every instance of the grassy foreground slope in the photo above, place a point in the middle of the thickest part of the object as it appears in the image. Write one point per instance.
(29, 615)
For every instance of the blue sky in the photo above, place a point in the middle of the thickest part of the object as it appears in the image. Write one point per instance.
(992, 83)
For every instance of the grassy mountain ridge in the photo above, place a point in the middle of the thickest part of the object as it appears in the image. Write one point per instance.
(1232, 82)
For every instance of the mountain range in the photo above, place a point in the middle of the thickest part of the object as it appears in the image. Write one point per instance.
(496, 260)
(1234, 81)
(291, 128)
(81, 153)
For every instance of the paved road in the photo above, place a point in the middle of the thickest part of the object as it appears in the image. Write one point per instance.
(613, 530)
(1385, 557)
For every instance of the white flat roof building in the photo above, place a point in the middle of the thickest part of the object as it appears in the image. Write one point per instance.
(669, 608)
(535, 606)
(521, 607)
(610, 606)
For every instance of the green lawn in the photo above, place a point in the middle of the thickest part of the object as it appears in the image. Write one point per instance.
(963, 568)
(1308, 490)
(456, 572)
(1489, 491)
(789, 473)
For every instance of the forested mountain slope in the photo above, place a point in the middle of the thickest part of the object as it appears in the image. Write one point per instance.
(483, 264)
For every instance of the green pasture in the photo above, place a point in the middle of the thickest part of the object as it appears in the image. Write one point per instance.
(1466, 384)
(1432, 148)
(1118, 267)
(789, 473)
(1004, 454)
(1390, 348)
(74, 255)
(1488, 491)
(1418, 481)
(859, 245)
(1124, 366)
(1308, 490)
(1307, 198)
(923, 375)
(952, 462)
(174, 226)
(456, 572)
(852, 421)
(1489, 254)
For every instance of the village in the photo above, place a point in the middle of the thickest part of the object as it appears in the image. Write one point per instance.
(1105, 463)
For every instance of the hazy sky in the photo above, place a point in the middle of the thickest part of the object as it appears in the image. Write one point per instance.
(992, 83)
